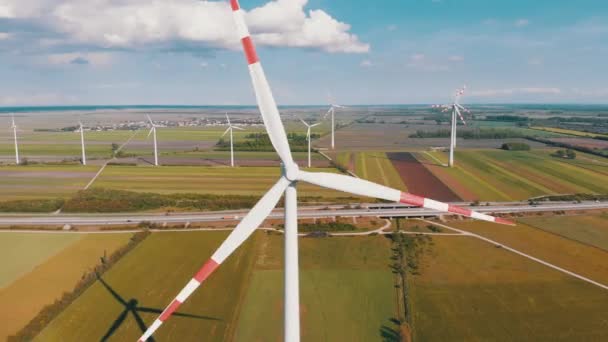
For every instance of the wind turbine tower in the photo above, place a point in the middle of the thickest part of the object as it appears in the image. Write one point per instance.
(230, 130)
(309, 138)
(84, 153)
(153, 132)
(456, 107)
(14, 127)
(332, 111)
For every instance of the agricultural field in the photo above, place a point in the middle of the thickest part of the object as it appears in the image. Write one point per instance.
(571, 255)
(469, 290)
(222, 158)
(203, 180)
(590, 229)
(346, 290)
(43, 181)
(144, 281)
(569, 132)
(377, 167)
(495, 175)
(51, 264)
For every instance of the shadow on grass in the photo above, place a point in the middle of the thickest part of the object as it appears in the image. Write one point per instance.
(132, 306)
(389, 334)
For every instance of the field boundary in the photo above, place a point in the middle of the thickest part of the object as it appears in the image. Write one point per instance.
(527, 256)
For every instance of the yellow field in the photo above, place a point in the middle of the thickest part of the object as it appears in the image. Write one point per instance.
(569, 132)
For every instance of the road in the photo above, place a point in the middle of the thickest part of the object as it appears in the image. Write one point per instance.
(359, 210)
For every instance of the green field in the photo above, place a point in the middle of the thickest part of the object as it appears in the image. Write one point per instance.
(48, 278)
(469, 290)
(26, 251)
(583, 259)
(346, 290)
(152, 274)
(491, 175)
(589, 229)
(203, 180)
(376, 167)
(43, 181)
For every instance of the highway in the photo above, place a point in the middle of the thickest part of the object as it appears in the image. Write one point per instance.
(356, 210)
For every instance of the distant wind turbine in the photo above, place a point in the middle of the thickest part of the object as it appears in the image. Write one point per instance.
(14, 127)
(308, 137)
(455, 107)
(153, 132)
(84, 153)
(332, 111)
(230, 129)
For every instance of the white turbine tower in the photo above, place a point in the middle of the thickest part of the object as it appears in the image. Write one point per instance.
(332, 111)
(153, 132)
(14, 127)
(84, 153)
(291, 176)
(309, 138)
(455, 107)
(230, 129)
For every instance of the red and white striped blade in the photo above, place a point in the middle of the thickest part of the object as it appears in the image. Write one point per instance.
(366, 188)
(460, 115)
(266, 103)
(243, 230)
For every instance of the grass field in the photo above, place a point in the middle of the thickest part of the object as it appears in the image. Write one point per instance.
(376, 167)
(346, 290)
(206, 180)
(568, 132)
(471, 291)
(43, 181)
(589, 229)
(150, 276)
(583, 259)
(26, 251)
(505, 175)
(25, 296)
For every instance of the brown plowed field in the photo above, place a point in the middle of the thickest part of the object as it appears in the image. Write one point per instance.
(419, 180)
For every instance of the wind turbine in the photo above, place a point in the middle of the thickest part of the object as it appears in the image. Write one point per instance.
(14, 127)
(230, 129)
(455, 107)
(308, 137)
(332, 111)
(84, 154)
(153, 132)
(287, 183)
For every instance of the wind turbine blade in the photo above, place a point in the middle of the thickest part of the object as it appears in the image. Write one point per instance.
(460, 115)
(243, 230)
(226, 132)
(228, 119)
(149, 133)
(315, 125)
(150, 120)
(305, 123)
(338, 106)
(263, 93)
(365, 188)
(239, 128)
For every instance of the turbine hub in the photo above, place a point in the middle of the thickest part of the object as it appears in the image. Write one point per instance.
(291, 171)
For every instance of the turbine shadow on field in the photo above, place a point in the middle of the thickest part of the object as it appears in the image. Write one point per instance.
(389, 334)
(132, 306)
(146, 161)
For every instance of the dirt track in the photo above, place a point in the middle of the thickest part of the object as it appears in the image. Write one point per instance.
(419, 180)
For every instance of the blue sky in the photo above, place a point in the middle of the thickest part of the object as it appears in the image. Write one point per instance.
(60, 52)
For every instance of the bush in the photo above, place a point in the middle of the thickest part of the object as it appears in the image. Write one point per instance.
(515, 146)
(31, 206)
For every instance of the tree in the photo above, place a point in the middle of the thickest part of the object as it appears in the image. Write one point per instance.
(114, 148)
(570, 154)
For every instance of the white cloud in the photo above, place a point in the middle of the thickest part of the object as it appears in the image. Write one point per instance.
(522, 23)
(40, 99)
(204, 64)
(136, 23)
(456, 58)
(420, 62)
(366, 63)
(4, 36)
(513, 91)
(392, 27)
(97, 59)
